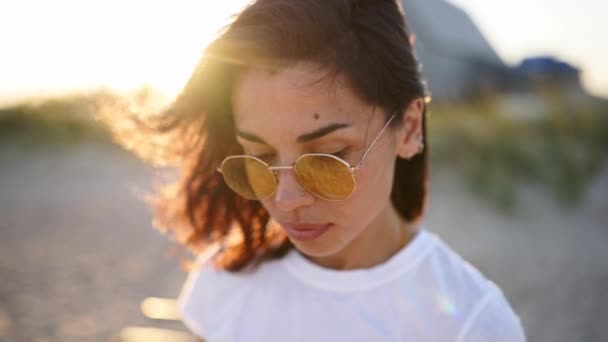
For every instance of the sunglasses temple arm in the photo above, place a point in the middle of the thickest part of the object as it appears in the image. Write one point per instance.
(374, 142)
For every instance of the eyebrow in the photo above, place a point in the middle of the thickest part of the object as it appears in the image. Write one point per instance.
(306, 137)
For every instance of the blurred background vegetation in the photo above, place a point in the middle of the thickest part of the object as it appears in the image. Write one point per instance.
(53, 122)
(496, 153)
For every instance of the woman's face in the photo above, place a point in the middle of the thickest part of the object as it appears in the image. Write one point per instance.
(274, 116)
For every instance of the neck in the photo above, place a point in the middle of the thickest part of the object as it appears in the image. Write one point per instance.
(386, 235)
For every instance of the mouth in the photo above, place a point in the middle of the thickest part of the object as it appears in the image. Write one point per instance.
(305, 231)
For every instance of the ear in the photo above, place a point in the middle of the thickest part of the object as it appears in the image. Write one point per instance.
(409, 137)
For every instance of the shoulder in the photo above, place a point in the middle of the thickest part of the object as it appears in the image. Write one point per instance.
(492, 319)
(442, 270)
(477, 308)
(211, 297)
(205, 294)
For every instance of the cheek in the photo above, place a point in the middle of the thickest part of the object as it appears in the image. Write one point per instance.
(374, 182)
(375, 178)
(269, 206)
(374, 185)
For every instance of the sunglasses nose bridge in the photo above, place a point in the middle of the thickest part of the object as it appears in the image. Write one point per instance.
(288, 193)
(276, 170)
(281, 172)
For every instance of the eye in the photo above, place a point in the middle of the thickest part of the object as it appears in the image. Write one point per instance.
(340, 154)
(266, 157)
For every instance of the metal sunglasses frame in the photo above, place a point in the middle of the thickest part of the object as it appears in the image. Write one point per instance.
(352, 168)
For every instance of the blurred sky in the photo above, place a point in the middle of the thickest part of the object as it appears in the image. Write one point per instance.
(575, 31)
(50, 47)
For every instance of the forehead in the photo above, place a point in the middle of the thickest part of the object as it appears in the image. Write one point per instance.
(295, 100)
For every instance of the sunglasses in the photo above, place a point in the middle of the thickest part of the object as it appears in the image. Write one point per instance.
(324, 175)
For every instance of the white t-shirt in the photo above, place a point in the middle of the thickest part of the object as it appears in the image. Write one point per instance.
(425, 292)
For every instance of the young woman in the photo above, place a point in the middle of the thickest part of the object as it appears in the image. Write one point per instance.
(302, 147)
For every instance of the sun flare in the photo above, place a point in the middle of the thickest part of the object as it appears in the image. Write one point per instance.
(69, 45)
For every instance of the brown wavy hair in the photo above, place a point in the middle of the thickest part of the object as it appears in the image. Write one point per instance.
(366, 41)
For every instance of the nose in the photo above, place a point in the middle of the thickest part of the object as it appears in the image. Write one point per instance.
(290, 195)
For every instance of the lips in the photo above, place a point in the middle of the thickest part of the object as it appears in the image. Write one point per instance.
(305, 231)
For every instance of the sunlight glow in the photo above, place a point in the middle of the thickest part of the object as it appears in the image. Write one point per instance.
(48, 48)
(160, 308)
(146, 334)
(64, 45)
(446, 305)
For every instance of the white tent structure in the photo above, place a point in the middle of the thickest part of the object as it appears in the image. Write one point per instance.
(456, 58)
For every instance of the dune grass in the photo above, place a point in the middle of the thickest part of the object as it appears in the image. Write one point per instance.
(497, 155)
(51, 122)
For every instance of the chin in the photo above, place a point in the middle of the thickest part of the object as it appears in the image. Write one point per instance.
(317, 249)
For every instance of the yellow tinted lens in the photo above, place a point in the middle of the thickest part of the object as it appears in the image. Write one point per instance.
(249, 177)
(325, 176)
